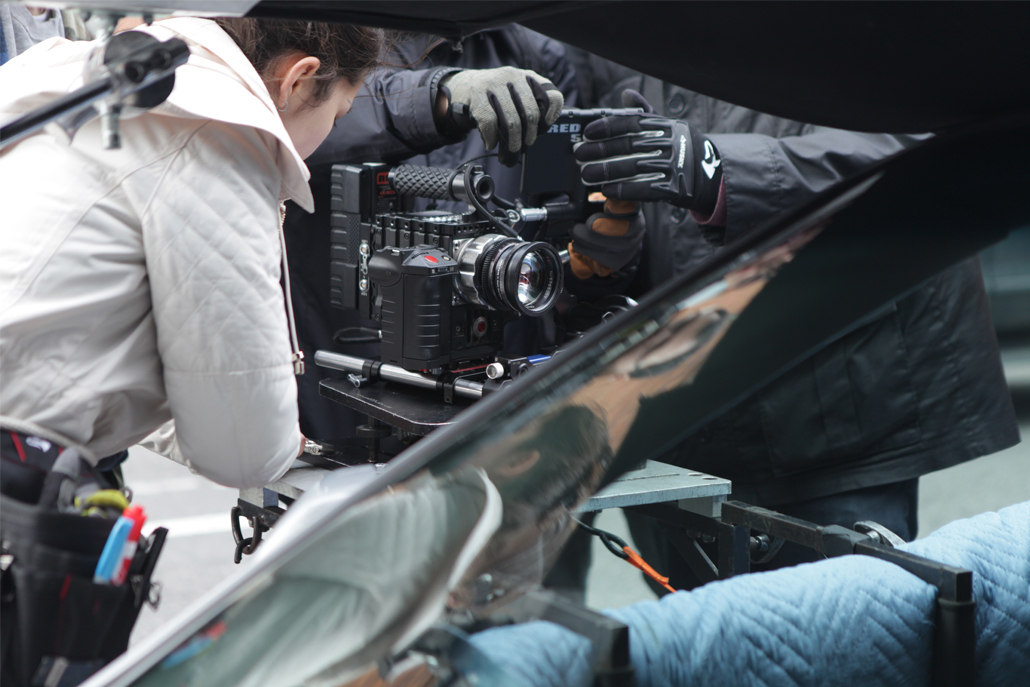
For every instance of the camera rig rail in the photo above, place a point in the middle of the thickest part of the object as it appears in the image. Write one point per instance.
(473, 384)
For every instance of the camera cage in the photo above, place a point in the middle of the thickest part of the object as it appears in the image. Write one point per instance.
(440, 286)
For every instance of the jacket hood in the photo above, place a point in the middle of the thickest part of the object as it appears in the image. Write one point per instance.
(218, 82)
(218, 66)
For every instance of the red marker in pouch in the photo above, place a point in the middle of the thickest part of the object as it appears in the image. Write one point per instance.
(121, 571)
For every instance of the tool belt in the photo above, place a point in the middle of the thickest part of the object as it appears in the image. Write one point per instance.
(58, 627)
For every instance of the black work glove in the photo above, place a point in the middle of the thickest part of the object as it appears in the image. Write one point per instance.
(608, 241)
(509, 106)
(650, 158)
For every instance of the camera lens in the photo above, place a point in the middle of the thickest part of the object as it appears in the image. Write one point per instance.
(506, 274)
(530, 275)
(532, 280)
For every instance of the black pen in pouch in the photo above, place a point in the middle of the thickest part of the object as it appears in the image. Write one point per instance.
(136, 592)
(142, 568)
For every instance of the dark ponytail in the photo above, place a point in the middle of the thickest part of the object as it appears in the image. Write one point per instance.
(346, 51)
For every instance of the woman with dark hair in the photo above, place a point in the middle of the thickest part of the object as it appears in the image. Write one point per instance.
(141, 285)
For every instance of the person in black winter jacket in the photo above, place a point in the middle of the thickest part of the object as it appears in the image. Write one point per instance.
(844, 435)
(393, 121)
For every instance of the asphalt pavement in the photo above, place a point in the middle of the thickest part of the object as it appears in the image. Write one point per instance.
(199, 550)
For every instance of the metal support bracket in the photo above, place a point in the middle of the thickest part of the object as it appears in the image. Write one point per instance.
(372, 432)
(449, 379)
(954, 651)
(699, 562)
(684, 528)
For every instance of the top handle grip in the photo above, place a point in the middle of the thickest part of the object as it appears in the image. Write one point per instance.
(469, 185)
(423, 182)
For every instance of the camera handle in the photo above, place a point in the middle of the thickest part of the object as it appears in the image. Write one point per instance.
(442, 184)
(469, 184)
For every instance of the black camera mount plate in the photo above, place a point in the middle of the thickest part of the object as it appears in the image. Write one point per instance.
(410, 409)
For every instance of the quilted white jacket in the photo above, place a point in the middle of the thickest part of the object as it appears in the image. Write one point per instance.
(142, 284)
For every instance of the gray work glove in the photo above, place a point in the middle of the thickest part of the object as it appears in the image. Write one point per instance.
(509, 106)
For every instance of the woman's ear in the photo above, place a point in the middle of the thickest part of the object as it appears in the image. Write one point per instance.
(291, 75)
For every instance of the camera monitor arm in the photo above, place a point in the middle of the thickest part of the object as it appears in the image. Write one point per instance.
(130, 68)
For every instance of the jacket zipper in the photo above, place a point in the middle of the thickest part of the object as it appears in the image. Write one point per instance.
(297, 357)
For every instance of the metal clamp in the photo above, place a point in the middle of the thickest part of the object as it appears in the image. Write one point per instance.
(364, 253)
(318, 448)
(244, 545)
(357, 380)
(764, 548)
(879, 533)
(450, 383)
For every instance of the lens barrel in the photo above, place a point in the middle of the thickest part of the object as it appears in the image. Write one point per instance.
(506, 274)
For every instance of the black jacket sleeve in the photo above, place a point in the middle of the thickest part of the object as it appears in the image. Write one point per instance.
(391, 120)
(766, 176)
(392, 117)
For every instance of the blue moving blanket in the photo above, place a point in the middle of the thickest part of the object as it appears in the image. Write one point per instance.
(852, 620)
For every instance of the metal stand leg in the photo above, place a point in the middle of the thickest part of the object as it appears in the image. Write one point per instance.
(372, 432)
(734, 550)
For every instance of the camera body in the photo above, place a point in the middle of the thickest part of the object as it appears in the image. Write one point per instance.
(440, 286)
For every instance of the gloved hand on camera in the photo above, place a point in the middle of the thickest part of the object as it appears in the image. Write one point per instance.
(650, 158)
(509, 106)
(608, 241)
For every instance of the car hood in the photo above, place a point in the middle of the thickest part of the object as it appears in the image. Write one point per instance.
(622, 394)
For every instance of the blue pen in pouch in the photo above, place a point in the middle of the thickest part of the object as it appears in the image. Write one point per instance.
(112, 553)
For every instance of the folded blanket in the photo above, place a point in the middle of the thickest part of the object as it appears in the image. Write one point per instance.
(853, 620)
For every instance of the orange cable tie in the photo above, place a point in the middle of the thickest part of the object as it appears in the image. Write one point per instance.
(637, 562)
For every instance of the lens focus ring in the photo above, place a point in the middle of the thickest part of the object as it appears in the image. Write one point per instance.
(531, 277)
(471, 258)
(505, 274)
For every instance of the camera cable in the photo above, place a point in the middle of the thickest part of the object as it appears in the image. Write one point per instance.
(478, 205)
(620, 548)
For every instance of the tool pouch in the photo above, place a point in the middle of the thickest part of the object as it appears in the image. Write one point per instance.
(56, 626)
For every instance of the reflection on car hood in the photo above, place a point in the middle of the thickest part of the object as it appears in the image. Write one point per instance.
(622, 394)
(632, 387)
(378, 577)
(481, 523)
